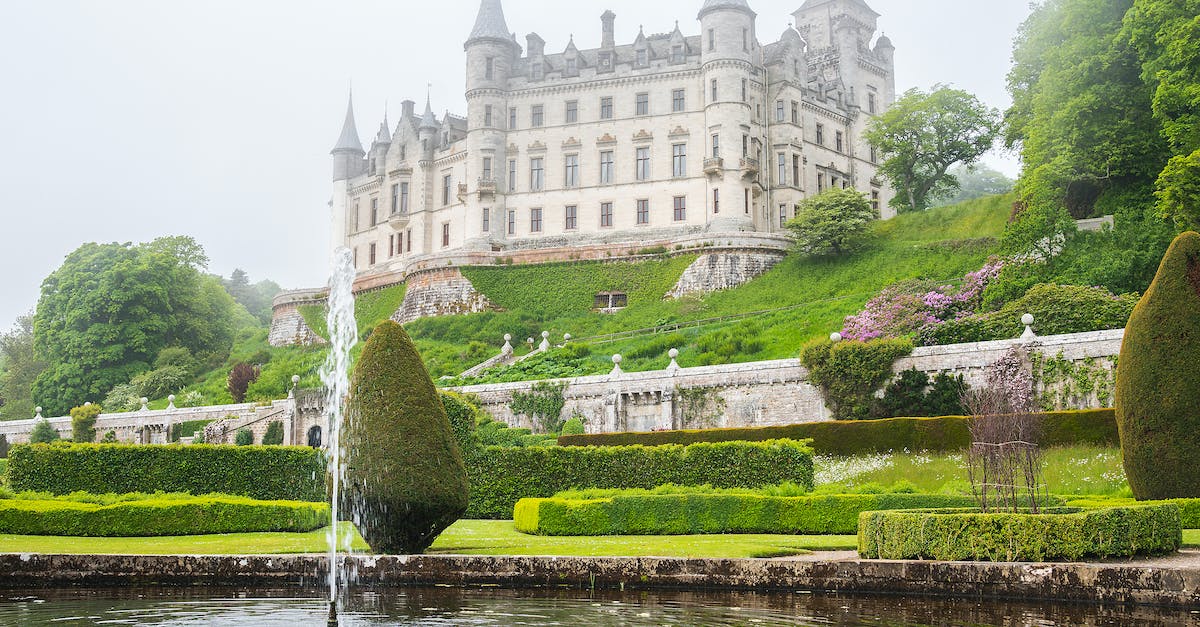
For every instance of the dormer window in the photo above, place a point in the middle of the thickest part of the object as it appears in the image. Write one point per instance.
(535, 71)
(677, 53)
(605, 60)
(571, 66)
(642, 57)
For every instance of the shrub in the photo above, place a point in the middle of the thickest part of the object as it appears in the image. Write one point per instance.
(543, 404)
(83, 423)
(110, 437)
(502, 476)
(1059, 534)
(123, 397)
(243, 437)
(849, 372)
(495, 433)
(681, 514)
(274, 433)
(177, 357)
(404, 477)
(463, 414)
(913, 394)
(1056, 309)
(1189, 509)
(574, 426)
(42, 432)
(3, 446)
(159, 515)
(1158, 380)
(160, 382)
(240, 377)
(266, 472)
(831, 437)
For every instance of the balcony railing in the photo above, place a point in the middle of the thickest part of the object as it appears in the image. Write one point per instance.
(714, 165)
(486, 187)
(749, 167)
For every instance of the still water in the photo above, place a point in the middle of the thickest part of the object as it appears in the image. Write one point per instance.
(491, 606)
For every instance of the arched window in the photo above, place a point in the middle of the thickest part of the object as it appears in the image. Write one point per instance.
(314, 436)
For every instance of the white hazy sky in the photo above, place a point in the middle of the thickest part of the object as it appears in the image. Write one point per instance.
(125, 120)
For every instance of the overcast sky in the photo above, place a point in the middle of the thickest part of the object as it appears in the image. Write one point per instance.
(126, 120)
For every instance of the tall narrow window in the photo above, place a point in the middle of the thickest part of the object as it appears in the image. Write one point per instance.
(821, 134)
(716, 200)
(711, 39)
(446, 181)
(746, 200)
(512, 176)
(743, 90)
(404, 198)
(489, 71)
(874, 156)
(572, 65)
(678, 103)
(745, 145)
(779, 113)
(782, 215)
(677, 54)
(820, 182)
(606, 167)
(875, 201)
(716, 145)
(535, 220)
(374, 211)
(487, 169)
(678, 160)
(782, 180)
(746, 39)
(643, 164)
(395, 197)
(485, 224)
(512, 221)
(606, 110)
(571, 171)
(795, 112)
(536, 115)
(714, 91)
(445, 234)
(870, 103)
(571, 218)
(643, 104)
(606, 214)
(838, 141)
(642, 58)
(536, 174)
(643, 211)
(391, 245)
(512, 118)
(371, 254)
(796, 170)
(487, 115)
(572, 113)
(408, 238)
(680, 210)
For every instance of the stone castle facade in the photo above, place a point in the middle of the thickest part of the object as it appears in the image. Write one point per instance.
(674, 141)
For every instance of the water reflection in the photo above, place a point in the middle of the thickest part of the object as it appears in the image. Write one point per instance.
(490, 606)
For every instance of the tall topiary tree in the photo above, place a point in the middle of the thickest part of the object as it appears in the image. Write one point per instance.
(404, 479)
(83, 422)
(1158, 380)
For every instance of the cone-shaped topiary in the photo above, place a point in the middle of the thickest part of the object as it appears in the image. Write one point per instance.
(1158, 380)
(404, 480)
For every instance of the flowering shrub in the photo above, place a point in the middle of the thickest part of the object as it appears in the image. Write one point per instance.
(907, 308)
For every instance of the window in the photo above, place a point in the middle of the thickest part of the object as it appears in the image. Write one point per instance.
(679, 160)
(746, 200)
(680, 212)
(606, 167)
(875, 201)
(395, 198)
(374, 211)
(485, 224)
(535, 71)
(873, 155)
(512, 175)
(487, 115)
(404, 198)
(606, 214)
(512, 221)
(512, 118)
(605, 60)
(716, 201)
(371, 254)
(643, 164)
(821, 134)
(572, 66)
(714, 90)
(711, 39)
(870, 103)
(677, 54)
(391, 245)
(795, 112)
(641, 57)
(820, 182)
(782, 215)
(571, 171)
(408, 238)
(606, 108)
(716, 146)
(782, 180)
(572, 114)
(779, 111)
(446, 189)
(536, 116)
(677, 101)
(489, 71)
(838, 141)
(356, 257)
(536, 179)
(487, 169)
(743, 90)
(445, 234)
(535, 220)
(643, 104)
(796, 170)
(746, 39)
(571, 218)
(643, 211)
(745, 145)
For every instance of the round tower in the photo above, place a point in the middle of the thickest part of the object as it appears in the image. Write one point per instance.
(728, 57)
(348, 163)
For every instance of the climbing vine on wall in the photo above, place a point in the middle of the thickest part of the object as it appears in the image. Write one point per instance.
(1065, 384)
(543, 404)
(699, 408)
(849, 372)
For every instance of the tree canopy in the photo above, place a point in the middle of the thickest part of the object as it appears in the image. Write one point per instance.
(833, 221)
(19, 367)
(109, 309)
(923, 134)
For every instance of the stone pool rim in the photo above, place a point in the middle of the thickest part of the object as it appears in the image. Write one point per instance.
(1102, 582)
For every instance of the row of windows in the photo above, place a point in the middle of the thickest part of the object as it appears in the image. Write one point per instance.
(571, 168)
(537, 112)
(570, 216)
(398, 243)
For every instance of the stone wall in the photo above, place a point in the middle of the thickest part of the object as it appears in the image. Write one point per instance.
(288, 327)
(722, 270)
(440, 292)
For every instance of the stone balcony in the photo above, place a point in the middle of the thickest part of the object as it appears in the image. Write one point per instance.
(714, 165)
(749, 167)
(398, 220)
(485, 187)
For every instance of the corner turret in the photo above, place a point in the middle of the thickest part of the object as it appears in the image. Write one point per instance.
(348, 153)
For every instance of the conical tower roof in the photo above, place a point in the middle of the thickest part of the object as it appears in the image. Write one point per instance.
(428, 119)
(713, 5)
(349, 139)
(489, 23)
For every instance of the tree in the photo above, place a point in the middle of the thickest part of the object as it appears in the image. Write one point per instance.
(274, 433)
(1158, 381)
(240, 377)
(923, 134)
(42, 432)
(256, 297)
(83, 422)
(109, 309)
(975, 182)
(19, 368)
(243, 437)
(405, 480)
(834, 220)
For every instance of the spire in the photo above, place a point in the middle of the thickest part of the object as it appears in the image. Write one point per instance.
(428, 120)
(490, 24)
(349, 139)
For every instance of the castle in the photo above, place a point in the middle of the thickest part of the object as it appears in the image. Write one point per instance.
(673, 141)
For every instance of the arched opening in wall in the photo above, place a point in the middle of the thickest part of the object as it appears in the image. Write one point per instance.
(314, 436)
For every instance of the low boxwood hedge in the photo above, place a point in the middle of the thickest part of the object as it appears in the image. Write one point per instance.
(1189, 509)
(678, 514)
(152, 516)
(259, 472)
(1065, 533)
(855, 437)
(499, 477)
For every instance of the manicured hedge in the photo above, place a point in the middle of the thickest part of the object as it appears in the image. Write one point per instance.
(1189, 509)
(854, 437)
(499, 477)
(259, 472)
(678, 514)
(1059, 534)
(159, 516)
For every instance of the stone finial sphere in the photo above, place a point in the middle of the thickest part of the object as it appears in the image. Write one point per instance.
(673, 353)
(545, 334)
(144, 400)
(616, 358)
(295, 379)
(1027, 319)
(835, 337)
(529, 340)
(38, 409)
(566, 336)
(171, 398)
(507, 336)
(87, 404)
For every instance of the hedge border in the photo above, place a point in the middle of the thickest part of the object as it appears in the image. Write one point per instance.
(855, 437)
(1066, 533)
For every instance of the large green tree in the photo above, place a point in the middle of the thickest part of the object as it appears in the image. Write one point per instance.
(109, 309)
(923, 134)
(19, 368)
(833, 221)
(255, 297)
